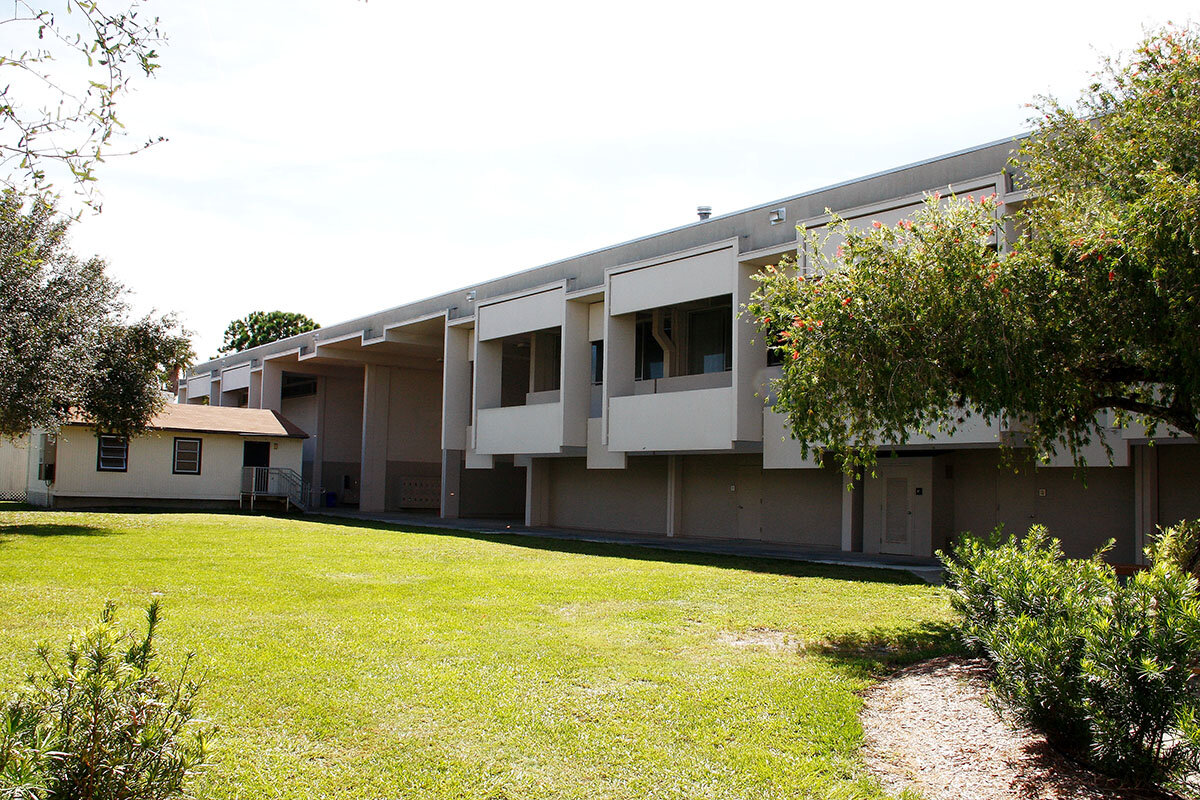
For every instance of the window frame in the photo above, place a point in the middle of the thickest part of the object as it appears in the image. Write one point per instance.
(725, 314)
(175, 470)
(100, 445)
(597, 365)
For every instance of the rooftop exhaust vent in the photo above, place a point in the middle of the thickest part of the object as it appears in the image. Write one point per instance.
(704, 212)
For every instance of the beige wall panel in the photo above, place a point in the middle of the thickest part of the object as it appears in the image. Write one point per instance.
(973, 430)
(198, 387)
(599, 456)
(343, 419)
(519, 429)
(692, 278)
(633, 499)
(415, 416)
(803, 507)
(302, 411)
(1178, 482)
(150, 461)
(595, 322)
(235, 378)
(696, 420)
(456, 402)
(533, 312)
(987, 494)
(710, 497)
(780, 450)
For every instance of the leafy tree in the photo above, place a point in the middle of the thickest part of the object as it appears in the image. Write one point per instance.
(61, 90)
(918, 326)
(264, 327)
(65, 345)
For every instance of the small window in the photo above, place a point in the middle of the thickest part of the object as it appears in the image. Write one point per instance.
(187, 457)
(597, 363)
(112, 453)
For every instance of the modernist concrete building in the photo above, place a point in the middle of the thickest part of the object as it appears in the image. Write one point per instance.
(620, 390)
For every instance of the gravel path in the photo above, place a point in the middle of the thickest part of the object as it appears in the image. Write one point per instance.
(929, 730)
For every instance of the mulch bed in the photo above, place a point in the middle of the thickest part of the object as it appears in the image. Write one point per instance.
(930, 730)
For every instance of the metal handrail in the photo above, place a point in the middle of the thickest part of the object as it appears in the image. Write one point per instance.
(275, 482)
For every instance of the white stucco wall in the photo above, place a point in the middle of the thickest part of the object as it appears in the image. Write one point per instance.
(149, 475)
(14, 466)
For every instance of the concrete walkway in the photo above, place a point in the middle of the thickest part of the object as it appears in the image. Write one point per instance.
(927, 569)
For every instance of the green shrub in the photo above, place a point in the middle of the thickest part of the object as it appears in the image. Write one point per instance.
(1104, 669)
(100, 722)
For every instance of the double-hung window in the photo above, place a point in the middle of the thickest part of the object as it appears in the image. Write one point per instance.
(187, 457)
(112, 453)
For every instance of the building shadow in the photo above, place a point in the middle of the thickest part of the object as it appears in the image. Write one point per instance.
(642, 551)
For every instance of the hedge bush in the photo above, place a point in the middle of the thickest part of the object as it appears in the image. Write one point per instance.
(1105, 669)
(99, 722)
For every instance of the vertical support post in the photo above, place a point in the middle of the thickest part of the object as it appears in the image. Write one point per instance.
(852, 516)
(1145, 498)
(674, 495)
(451, 483)
(318, 450)
(272, 386)
(373, 478)
(254, 399)
(537, 493)
(847, 517)
(214, 390)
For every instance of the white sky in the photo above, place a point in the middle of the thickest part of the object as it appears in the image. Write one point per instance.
(341, 157)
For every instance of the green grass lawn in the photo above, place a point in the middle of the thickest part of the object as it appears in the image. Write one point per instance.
(360, 661)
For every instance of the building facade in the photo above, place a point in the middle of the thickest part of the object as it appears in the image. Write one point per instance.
(190, 456)
(622, 390)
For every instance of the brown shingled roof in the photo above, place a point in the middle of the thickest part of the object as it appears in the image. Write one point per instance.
(221, 419)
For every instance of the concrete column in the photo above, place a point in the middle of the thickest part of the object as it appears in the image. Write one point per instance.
(852, 515)
(318, 440)
(272, 386)
(451, 483)
(376, 401)
(456, 391)
(576, 362)
(537, 493)
(256, 380)
(1145, 498)
(674, 495)
(214, 391)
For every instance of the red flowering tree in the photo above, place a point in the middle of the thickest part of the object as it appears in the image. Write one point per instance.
(915, 327)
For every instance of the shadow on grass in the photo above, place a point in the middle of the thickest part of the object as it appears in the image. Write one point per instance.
(877, 651)
(51, 529)
(641, 552)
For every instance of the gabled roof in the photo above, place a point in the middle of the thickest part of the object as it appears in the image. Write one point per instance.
(220, 419)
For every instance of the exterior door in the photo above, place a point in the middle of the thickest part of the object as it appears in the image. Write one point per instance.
(256, 454)
(897, 515)
(749, 502)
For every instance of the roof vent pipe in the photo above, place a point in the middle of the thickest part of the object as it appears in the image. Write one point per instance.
(704, 212)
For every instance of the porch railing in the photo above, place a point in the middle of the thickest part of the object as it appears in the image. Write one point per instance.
(276, 482)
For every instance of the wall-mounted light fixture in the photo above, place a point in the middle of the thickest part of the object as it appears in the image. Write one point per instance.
(777, 215)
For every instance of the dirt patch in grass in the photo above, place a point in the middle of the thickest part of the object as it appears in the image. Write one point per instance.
(765, 638)
(929, 730)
